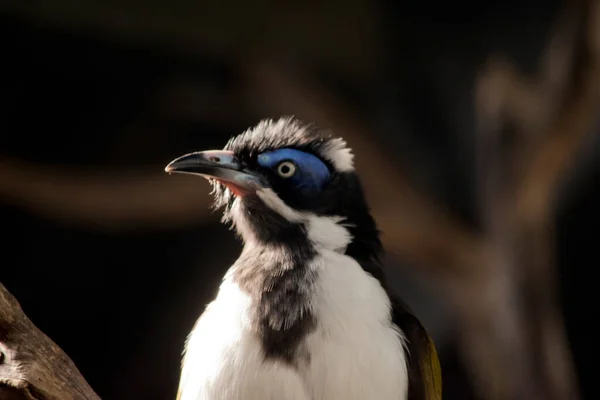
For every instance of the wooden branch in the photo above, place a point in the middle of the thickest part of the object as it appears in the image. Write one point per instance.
(119, 201)
(32, 367)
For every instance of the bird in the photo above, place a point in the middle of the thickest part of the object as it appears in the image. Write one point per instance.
(305, 312)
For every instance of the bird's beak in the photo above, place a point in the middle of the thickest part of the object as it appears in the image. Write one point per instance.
(220, 165)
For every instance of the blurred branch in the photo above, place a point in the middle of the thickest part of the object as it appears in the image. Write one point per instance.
(32, 367)
(505, 94)
(200, 102)
(125, 200)
(305, 30)
(512, 330)
(118, 201)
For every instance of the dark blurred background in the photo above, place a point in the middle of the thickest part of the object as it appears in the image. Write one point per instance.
(114, 260)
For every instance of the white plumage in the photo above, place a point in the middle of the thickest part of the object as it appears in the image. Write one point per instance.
(356, 353)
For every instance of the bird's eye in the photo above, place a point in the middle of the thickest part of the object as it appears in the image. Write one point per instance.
(286, 169)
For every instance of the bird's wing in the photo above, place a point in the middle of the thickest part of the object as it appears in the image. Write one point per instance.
(424, 371)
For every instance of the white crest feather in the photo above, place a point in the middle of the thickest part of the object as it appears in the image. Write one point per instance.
(339, 154)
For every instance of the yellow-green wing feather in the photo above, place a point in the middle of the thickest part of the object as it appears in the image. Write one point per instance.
(432, 372)
(424, 370)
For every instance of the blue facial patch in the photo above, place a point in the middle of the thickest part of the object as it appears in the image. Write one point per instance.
(311, 173)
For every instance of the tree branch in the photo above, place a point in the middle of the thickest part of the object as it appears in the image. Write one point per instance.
(32, 367)
(118, 202)
(512, 331)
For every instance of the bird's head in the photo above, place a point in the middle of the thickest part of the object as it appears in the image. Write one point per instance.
(282, 178)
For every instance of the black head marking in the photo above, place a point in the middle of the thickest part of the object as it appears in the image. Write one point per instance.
(341, 196)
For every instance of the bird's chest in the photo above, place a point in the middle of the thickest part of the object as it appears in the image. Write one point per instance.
(322, 335)
(331, 324)
(354, 351)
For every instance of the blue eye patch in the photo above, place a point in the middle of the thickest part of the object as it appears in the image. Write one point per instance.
(311, 173)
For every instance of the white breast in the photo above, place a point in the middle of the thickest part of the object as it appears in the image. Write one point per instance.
(355, 353)
(223, 358)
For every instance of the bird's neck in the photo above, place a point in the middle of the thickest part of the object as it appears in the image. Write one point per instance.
(281, 273)
(365, 246)
(293, 239)
(260, 226)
